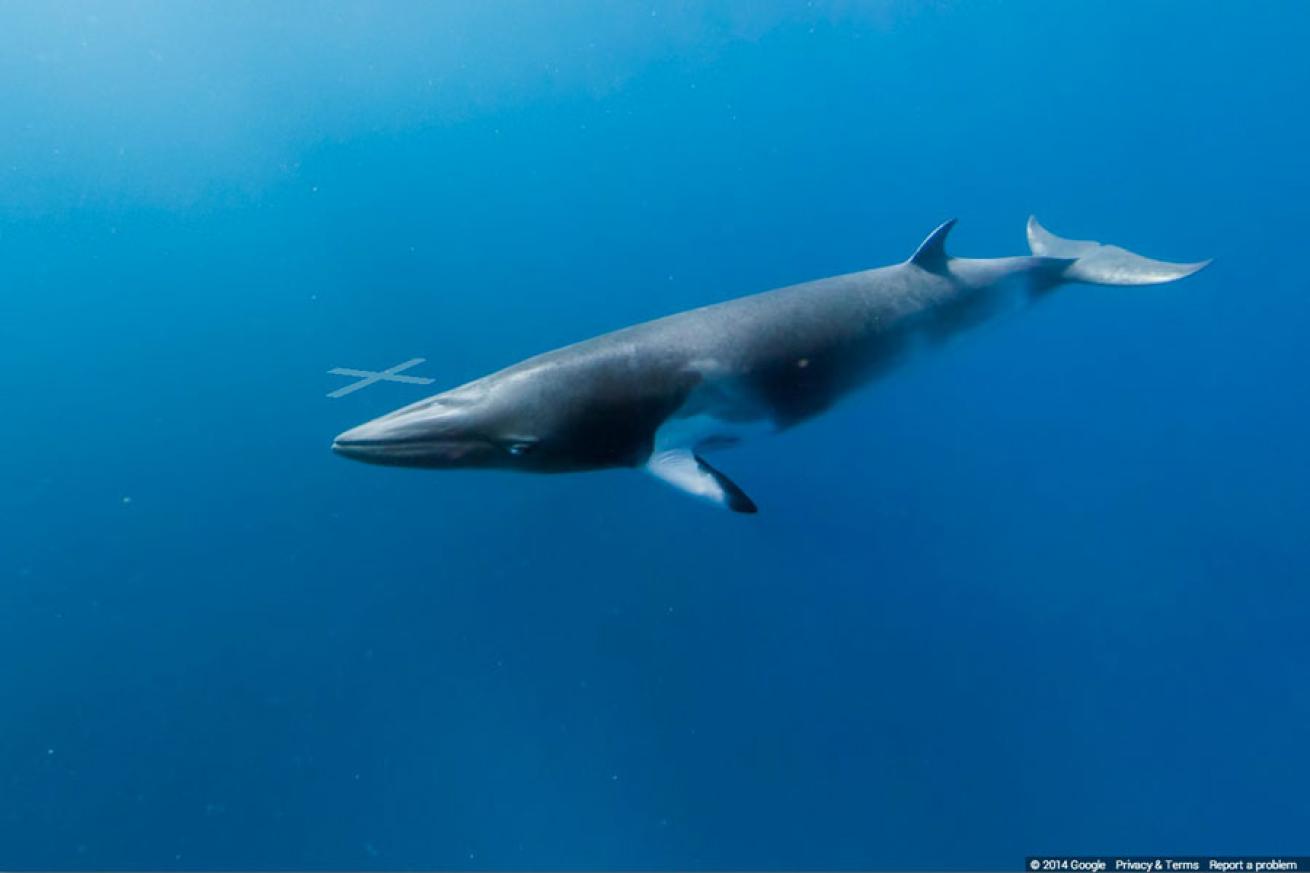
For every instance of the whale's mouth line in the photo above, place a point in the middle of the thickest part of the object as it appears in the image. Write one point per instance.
(376, 443)
(402, 444)
(422, 450)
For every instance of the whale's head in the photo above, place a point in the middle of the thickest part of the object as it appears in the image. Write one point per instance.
(534, 419)
(471, 426)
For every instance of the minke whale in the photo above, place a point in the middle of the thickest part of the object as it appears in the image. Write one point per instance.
(661, 395)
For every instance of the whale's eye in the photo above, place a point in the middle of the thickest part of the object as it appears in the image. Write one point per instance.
(520, 448)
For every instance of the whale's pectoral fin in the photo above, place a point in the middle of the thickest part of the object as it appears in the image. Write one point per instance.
(689, 473)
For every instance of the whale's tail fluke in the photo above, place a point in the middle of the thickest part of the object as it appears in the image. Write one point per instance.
(1099, 264)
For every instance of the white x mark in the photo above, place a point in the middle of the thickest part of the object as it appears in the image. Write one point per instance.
(368, 377)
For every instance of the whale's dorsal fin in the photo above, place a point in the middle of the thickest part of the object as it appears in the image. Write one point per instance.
(688, 472)
(931, 253)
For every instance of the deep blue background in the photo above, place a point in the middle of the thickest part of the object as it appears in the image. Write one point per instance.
(1043, 591)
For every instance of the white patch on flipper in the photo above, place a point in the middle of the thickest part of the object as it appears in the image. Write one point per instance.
(679, 468)
(691, 475)
(718, 413)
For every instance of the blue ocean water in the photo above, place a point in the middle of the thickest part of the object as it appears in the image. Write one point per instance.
(1042, 591)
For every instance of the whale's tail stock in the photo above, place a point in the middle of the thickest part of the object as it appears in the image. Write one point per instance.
(1099, 264)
